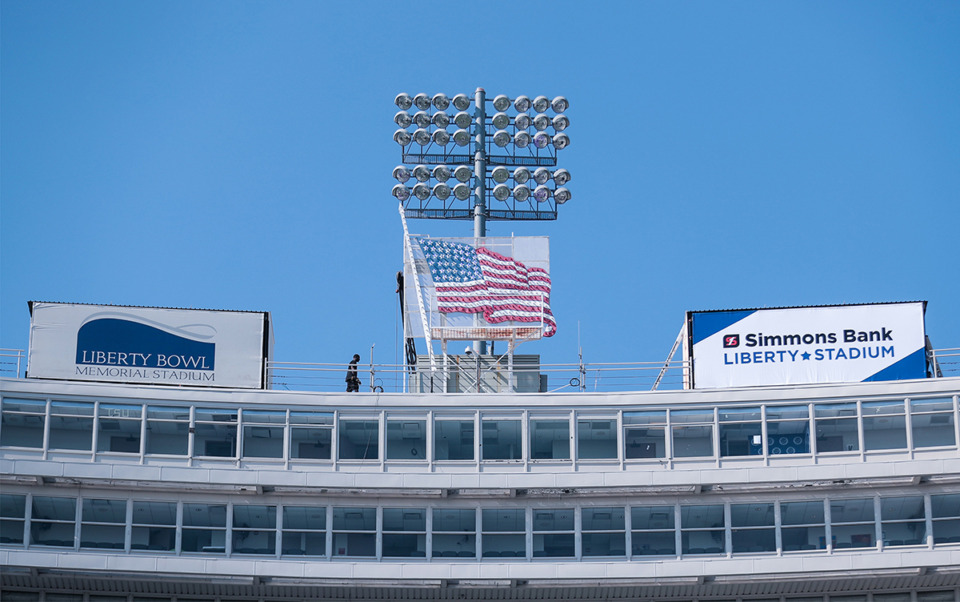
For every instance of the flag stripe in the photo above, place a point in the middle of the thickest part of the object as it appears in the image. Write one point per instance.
(469, 280)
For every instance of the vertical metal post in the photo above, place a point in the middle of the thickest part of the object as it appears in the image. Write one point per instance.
(480, 192)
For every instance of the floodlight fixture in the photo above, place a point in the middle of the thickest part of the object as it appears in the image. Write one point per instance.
(518, 174)
(401, 173)
(461, 192)
(421, 137)
(461, 137)
(541, 193)
(422, 119)
(421, 101)
(421, 191)
(403, 101)
(421, 173)
(441, 137)
(441, 191)
(442, 102)
(461, 102)
(501, 174)
(462, 173)
(540, 176)
(462, 119)
(401, 192)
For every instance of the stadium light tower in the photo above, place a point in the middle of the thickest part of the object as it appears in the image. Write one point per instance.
(503, 159)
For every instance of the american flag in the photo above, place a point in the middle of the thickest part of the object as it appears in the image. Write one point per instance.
(473, 281)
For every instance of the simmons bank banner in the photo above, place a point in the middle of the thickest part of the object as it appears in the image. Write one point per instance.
(802, 345)
(149, 345)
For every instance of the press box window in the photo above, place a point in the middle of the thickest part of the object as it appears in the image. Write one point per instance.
(154, 526)
(553, 535)
(359, 440)
(204, 528)
(550, 439)
(602, 532)
(263, 433)
(501, 440)
(304, 531)
(752, 528)
(118, 428)
(71, 426)
(167, 430)
(852, 523)
(53, 520)
(355, 532)
(504, 533)
(902, 521)
(692, 433)
(404, 533)
(702, 529)
(596, 439)
(103, 524)
(644, 434)
(788, 430)
(12, 513)
(652, 531)
(406, 439)
(216, 433)
(311, 435)
(945, 510)
(741, 432)
(884, 425)
(454, 533)
(836, 427)
(254, 530)
(22, 422)
(802, 526)
(453, 439)
(932, 422)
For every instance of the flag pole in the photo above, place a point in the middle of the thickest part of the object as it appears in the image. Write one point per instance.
(416, 283)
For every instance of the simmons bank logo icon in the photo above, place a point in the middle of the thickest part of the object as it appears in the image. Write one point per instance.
(121, 345)
(731, 340)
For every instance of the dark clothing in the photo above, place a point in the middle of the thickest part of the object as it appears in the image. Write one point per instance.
(353, 381)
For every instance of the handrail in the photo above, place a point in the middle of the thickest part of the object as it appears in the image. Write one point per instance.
(591, 377)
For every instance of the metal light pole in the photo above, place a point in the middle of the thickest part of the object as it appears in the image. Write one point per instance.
(529, 147)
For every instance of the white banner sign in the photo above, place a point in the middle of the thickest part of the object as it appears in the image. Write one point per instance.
(802, 345)
(149, 345)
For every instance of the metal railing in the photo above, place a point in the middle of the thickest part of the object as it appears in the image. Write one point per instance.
(12, 362)
(572, 377)
(397, 378)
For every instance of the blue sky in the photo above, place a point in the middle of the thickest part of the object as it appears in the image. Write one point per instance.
(237, 155)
